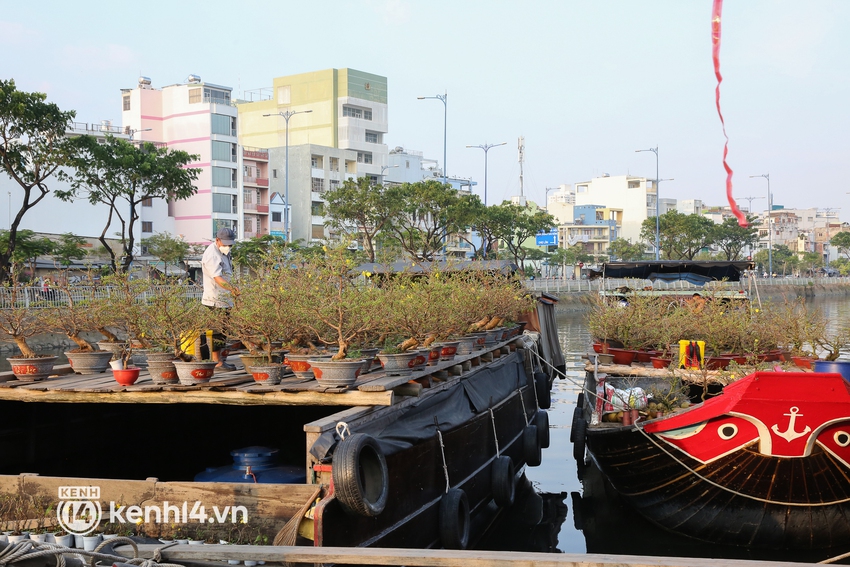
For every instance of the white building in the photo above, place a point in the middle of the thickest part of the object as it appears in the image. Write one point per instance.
(635, 196)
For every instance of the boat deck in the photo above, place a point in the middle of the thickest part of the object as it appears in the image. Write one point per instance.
(237, 387)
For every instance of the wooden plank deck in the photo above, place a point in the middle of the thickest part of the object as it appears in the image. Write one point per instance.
(374, 388)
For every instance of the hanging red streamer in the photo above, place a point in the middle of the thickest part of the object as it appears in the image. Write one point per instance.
(716, 12)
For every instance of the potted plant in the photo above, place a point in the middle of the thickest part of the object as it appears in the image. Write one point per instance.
(73, 315)
(338, 310)
(21, 319)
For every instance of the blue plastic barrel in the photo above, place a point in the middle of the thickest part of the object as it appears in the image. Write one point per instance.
(838, 366)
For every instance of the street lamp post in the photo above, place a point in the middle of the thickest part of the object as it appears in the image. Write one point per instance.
(657, 206)
(287, 209)
(442, 98)
(133, 132)
(769, 228)
(384, 168)
(486, 147)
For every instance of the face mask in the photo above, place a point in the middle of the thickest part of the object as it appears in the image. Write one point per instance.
(224, 249)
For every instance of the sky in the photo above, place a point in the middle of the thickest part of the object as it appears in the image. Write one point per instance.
(586, 83)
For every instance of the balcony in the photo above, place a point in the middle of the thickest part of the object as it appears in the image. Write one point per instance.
(259, 181)
(263, 181)
(254, 153)
(263, 209)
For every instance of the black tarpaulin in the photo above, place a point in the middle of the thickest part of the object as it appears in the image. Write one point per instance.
(672, 270)
(452, 407)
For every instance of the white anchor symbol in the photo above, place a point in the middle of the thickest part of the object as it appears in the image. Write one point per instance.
(789, 434)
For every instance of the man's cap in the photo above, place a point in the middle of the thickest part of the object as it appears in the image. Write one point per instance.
(226, 236)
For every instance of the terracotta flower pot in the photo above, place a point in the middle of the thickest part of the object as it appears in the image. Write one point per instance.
(337, 372)
(126, 376)
(32, 369)
(268, 374)
(195, 372)
(803, 361)
(643, 356)
(622, 356)
(660, 362)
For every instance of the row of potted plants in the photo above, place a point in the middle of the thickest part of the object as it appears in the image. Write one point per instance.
(318, 310)
(651, 327)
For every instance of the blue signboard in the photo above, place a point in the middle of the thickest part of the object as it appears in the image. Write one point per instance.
(277, 233)
(547, 239)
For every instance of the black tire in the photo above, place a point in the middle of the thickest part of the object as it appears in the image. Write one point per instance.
(544, 396)
(542, 423)
(577, 415)
(579, 443)
(454, 519)
(502, 481)
(531, 446)
(360, 476)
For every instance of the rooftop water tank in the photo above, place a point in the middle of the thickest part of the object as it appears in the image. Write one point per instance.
(253, 464)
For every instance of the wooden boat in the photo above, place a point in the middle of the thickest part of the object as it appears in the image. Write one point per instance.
(389, 462)
(765, 464)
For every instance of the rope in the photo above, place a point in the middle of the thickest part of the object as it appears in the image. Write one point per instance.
(342, 430)
(443, 452)
(495, 437)
(567, 378)
(29, 549)
(522, 401)
(836, 558)
(731, 491)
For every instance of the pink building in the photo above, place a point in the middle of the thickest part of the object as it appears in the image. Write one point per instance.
(255, 192)
(198, 118)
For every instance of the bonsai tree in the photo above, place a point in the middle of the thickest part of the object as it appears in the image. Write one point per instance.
(75, 313)
(167, 314)
(124, 308)
(338, 308)
(20, 319)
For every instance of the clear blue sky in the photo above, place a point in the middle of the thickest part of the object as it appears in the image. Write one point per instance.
(587, 83)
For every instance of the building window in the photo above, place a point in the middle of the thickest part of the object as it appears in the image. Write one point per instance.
(274, 173)
(318, 184)
(407, 164)
(147, 202)
(249, 224)
(316, 162)
(334, 184)
(223, 177)
(364, 157)
(317, 208)
(248, 196)
(352, 112)
(216, 96)
(372, 137)
(223, 124)
(634, 184)
(223, 203)
(275, 217)
(127, 102)
(334, 164)
(318, 231)
(194, 96)
(223, 151)
(147, 226)
(367, 114)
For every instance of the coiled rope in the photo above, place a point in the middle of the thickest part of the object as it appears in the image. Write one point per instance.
(29, 549)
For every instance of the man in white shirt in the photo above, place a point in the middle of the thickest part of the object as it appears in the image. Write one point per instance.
(218, 270)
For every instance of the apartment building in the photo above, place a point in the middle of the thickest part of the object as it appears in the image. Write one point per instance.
(594, 227)
(635, 196)
(256, 199)
(199, 118)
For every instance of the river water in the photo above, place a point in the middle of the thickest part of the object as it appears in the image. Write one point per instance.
(596, 519)
(588, 517)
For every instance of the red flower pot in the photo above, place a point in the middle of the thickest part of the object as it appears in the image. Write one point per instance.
(643, 356)
(622, 356)
(126, 376)
(803, 361)
(717, 362)
(659, 362)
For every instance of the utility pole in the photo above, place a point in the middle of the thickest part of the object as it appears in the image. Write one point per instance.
(521, 150)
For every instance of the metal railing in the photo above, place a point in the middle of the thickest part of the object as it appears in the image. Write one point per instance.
(38, 298)
(560, 285)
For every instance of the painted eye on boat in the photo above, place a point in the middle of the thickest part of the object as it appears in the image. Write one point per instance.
(727, 431)
(842, 438)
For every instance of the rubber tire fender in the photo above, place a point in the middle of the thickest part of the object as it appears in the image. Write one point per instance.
(360, 475)
(542, 423)
(577, 415)
(502, 481)
(579, 440)
(454, 519)
(531, 446)
(544, 396)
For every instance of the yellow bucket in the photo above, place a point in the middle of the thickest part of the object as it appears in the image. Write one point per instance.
(691, 354)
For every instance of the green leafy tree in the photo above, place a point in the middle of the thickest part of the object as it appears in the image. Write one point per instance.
(623, 249)
(812, 261)
(121, 175)
(251, 253)
(360, 207)
(784, 260)
(69, 248)
(28, 248)
(166, 248)
(842, 242)
(732, 238)
(514, 225)
(682, 236)
(427, 212)
(32, 147)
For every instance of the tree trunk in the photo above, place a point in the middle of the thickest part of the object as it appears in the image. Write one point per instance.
(26, 351)
(83, 344)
